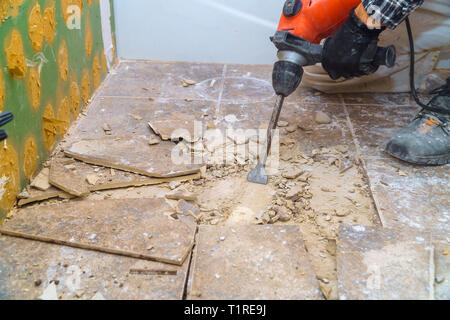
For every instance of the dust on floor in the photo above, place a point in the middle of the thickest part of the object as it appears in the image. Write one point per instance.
(328, 198)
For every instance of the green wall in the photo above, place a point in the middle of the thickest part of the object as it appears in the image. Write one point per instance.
(48, 93)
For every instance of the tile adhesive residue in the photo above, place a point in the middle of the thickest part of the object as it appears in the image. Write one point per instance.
(36, 28)
(30, 156)
(15, 56)
(9, 175)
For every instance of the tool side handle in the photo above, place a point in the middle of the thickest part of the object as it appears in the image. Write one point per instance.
(385, 56)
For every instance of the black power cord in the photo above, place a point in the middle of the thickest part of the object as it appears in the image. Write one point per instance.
(412, 70)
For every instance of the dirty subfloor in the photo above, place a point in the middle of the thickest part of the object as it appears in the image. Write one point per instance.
(332, 168)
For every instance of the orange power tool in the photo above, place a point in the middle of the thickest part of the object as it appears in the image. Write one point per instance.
(303, 24)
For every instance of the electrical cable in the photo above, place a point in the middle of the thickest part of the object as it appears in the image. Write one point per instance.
(412, 71)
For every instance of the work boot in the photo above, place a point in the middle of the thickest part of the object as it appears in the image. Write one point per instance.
(426, 140)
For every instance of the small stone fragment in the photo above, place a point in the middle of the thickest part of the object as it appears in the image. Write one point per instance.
(187, 82)
(136, 117)
(283, 124)
(305, 127)
(322, 118)
(153, 141)
(92, 179)
(402, 173)
(326, 290)
(439, 279)
(106, 127)
(322, 279)
(263, 218)
(38, 282)
(294, 193)
(291, 129)
(292, 173)
(285, 214)
(174, 184)
(342, 148)
(50, 293)
(98, 296)
(24, 195)
(331, 247)
(342, 214)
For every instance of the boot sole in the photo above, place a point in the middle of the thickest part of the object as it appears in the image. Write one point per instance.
(429, 161)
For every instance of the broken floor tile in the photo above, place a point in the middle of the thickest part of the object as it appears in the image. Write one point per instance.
(39, 195)
(82, 274)
(120, 112)
(177, 126)
(252, 262)
(41, 180)
(107, 179)
(134, 155)
(377, 263)
(68, 180)
(112, 226)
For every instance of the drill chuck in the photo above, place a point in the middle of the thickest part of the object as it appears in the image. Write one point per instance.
(286, 77)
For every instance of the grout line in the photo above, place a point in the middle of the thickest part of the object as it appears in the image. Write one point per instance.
(432, 271)
(154, 97)
(222, 87)
(147, 61)
(361, 160)
(190, 266)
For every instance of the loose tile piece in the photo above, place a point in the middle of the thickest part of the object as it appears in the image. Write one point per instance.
(38, 195)
(134, 155)
(41, 180)
(112, 226)
(182, 195)
(252, 262)
(111, 179)
(125, 126)
(68, 180)
(108, 180)
(322, 118)
(176, 126)
(377, 263)
(82, 274)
